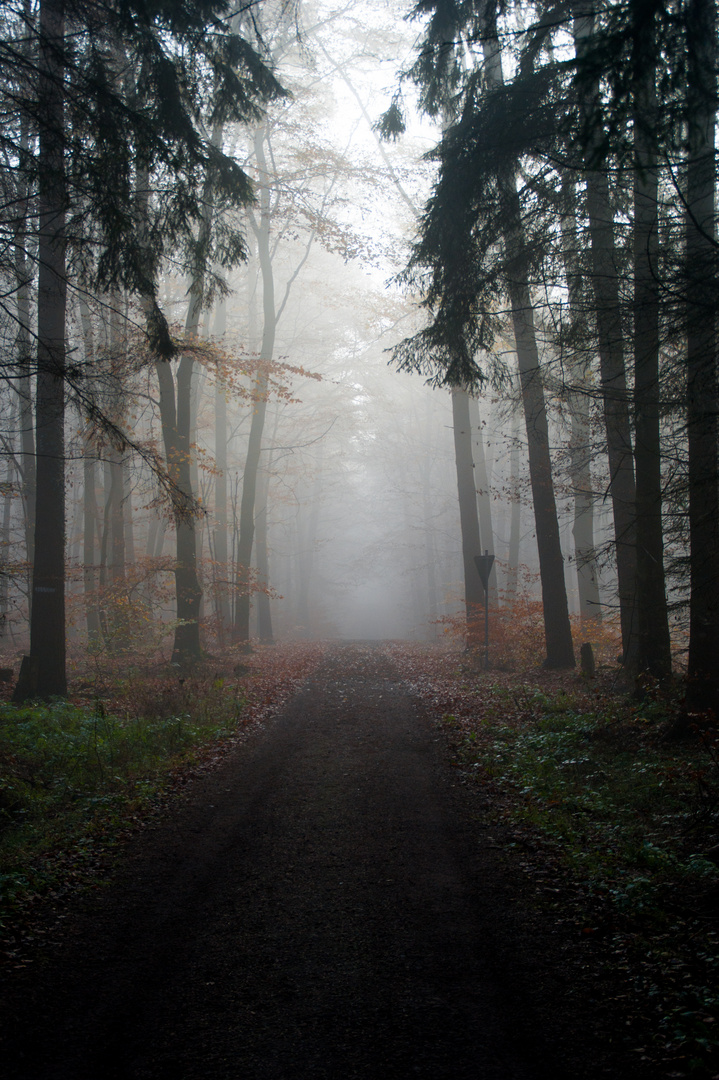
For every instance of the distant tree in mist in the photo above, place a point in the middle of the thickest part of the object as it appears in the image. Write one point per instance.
(96, 97)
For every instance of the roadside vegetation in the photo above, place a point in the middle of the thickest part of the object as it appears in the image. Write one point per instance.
(613, 822)
(78, 776)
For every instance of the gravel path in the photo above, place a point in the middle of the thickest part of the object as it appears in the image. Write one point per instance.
(317, 908)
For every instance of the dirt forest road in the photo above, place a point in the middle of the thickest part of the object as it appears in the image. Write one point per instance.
(316, 908)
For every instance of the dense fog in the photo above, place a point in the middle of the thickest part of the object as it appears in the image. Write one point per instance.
(273, 473)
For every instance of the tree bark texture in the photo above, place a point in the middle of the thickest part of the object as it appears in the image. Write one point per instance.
(610, 340)
(24, 274)
(89, 547)
(245, 543)
(221, 552)
(90, 514)
(175, 417)
(264, 608)
(557, 628)
(47, 627)
(515, 518)
(702, 396)
(176, 413)
(484, 495)
(468, 518)
(654, 651)
(580, 449)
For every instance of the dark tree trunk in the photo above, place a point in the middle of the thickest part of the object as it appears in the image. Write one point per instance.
(23, 347)
(468, 519)
(264, 609)
(430, 546)
(515, 518)
(176, 409)
(175, 416)
(89, 547)
(245, 543)
(7, 501)
(47, 627)
(654, 651)
(90, 514)
(580, 449)
(127, 511)
(117, 518)
(264, 606)
(610, 342)
(557, 628)
(702, 397)
(221, 552)
(246, 536)
(484, 495)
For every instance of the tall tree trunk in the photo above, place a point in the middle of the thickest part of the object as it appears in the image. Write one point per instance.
(176, 411)
(585, 554)
(175, 418)
(5, 544)
(115, 490)
(430, 545)
(702, 396)
(89, 547)
(484, 495)
(264, 607)
(264, 610)
(47, 626)
(221, 563)
(117, 517)
(159, 543)
(580, 438)
(246, 533)
(557, 628)
(90, 514)
(105, 538)
(654, 650)
(515, 518)
(610, 340)
(306, 545)
(127, 511)
(245, 543)
(468, 519)
(23, 274)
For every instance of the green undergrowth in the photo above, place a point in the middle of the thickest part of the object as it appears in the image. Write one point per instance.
(74, 776)
(601, 801)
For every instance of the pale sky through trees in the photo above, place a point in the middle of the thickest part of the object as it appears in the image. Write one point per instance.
(356, 520)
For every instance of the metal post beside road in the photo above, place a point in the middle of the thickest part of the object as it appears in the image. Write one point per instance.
(484, 569)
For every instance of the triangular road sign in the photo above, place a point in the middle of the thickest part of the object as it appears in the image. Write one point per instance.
(484, 567)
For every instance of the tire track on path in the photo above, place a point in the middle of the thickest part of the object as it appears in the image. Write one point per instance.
(315, 910)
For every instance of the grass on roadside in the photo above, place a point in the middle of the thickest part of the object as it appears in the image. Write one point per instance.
(71, 773)
(627, 817)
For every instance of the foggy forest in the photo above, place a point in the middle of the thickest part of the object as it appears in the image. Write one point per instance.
(373, 329)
